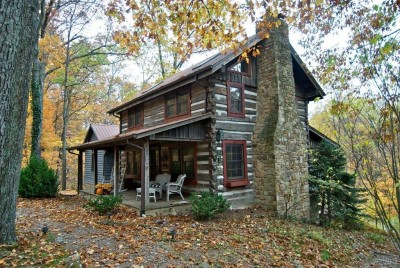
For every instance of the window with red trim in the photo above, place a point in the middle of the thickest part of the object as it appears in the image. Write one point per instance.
(135, 117)
(235, 99)
(235, 163)
(177, 103)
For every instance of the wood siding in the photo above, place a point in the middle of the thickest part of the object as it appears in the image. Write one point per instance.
(235, 128)
(190, 132)
(89, 174)
(154, 109)
(204, 166)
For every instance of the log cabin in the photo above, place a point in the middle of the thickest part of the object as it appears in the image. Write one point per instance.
(236, 126)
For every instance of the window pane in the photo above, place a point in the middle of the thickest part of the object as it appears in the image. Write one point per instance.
(234, 161)
(241, 67)
(236, 99)
(182, 103)
(138, 117)
(188, 158)
(170, 106)
(130, 118)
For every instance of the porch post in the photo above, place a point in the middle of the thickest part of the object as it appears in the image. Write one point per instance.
(80, 171)
(96, 171)
(144, 178)
(116, 170)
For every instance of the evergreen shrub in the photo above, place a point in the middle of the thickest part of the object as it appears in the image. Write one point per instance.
(37, 179)
(105, 203)
(207, 204)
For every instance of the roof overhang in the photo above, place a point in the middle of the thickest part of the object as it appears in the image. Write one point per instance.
(122, 139)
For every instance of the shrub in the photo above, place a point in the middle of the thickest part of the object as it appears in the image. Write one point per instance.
(38, 180)
(105, 203)
(207, 204)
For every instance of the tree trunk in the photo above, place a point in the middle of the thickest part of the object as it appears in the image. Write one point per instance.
(37, 105)
(18, 19)
(38, 75)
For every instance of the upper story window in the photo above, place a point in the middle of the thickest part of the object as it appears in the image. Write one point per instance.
(235, 99)
(177, 103)
(242, 67)
(135, 117)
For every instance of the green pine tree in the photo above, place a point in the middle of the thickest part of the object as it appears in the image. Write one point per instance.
(333, 192)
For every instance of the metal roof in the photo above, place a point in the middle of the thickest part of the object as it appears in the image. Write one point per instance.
(102, 131)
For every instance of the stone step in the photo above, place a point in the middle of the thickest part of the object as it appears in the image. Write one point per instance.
(239, 199)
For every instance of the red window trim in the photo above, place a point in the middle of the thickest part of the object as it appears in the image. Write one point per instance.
(236, 182)
(175, 93)
(239, 85)
(249, 73)
(134, 109)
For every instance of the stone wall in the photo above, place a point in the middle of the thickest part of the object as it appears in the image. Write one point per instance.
(279, 139)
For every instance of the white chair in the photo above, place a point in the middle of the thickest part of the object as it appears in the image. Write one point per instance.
(160, 183)
(176, 187)
(152, 193)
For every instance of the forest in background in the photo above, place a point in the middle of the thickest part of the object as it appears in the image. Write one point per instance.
(79, 75)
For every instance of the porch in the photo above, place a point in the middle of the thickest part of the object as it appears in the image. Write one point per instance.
(175, 205)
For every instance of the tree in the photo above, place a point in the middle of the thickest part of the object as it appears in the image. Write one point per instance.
(19, 19)
(176, 29)
(37, 80)
(332, 190)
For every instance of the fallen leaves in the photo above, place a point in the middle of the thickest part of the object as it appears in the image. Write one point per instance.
(238, 238)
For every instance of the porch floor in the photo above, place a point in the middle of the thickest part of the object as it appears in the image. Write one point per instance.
(175, 205)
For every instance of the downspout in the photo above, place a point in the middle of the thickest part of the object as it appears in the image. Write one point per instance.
(120, 121)
(142, 184)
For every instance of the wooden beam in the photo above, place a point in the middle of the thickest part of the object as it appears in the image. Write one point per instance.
(96, 170)
(80, 171)
(116, 170)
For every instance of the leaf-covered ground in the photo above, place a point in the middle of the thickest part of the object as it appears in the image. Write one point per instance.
(245, 238)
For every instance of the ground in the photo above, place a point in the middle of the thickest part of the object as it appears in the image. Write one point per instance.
(245, 238)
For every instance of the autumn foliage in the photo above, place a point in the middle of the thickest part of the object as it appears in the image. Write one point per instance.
(245, 238)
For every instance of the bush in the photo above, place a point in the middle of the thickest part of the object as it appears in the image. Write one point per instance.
(38, 180)
(105, 203)
(207, 204)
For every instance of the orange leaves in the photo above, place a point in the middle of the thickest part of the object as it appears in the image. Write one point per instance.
(236, 239)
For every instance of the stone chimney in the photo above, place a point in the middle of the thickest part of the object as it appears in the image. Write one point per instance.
(279, 139)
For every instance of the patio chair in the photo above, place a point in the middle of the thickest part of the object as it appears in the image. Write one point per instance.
(176, 187)
(160, 183)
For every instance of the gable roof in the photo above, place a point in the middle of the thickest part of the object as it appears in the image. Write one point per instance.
(319, 136)
(101, 131)
(210, 66)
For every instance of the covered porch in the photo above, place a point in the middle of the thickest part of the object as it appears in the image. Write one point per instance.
(139, 156)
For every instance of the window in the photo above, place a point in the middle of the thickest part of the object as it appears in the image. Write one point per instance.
(135, 117)
(177, 103)
(235, 163)
(133, 164)
(182, 161)
(242, 67)
(236, 99)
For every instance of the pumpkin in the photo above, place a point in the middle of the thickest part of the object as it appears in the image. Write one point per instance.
(99, 191)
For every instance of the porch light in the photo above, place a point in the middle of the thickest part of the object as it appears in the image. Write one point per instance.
(219, 135)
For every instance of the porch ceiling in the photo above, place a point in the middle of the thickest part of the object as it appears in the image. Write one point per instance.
(121, 139)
